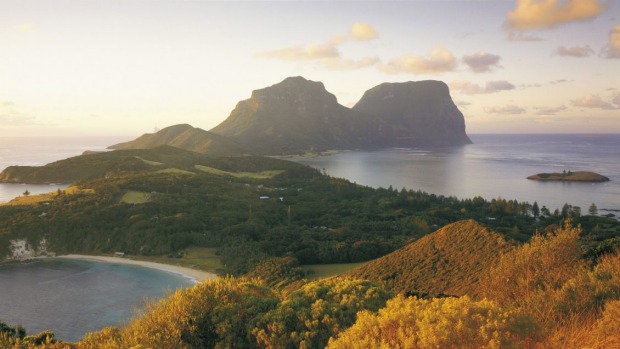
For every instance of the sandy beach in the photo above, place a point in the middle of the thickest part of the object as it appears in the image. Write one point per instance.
(195, 275)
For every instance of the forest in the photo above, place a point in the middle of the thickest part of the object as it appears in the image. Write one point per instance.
(558, 286)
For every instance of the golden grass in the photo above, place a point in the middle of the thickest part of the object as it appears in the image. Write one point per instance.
(136, 197)
(254, 175)
(31, 200)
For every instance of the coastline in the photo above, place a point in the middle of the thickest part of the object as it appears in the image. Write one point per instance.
(196, 276)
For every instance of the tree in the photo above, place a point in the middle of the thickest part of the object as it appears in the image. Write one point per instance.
(593, 210)
(26, 192)
(535, 209)
(566, 209)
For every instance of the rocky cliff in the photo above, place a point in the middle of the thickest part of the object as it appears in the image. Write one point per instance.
(296, 115)
(299, 115)
(413, 113)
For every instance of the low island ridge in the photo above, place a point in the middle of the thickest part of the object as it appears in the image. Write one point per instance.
(577, 176)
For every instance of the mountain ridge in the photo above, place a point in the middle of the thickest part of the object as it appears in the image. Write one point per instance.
(297, 115)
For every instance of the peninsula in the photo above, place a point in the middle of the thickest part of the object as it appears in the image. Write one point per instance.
(578, 176)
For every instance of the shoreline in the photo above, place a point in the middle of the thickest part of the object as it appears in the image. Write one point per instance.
(195, 275)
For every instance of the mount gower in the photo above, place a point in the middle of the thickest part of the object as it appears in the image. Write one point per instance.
(299, 115)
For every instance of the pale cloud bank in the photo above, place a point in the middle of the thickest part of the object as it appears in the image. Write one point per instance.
(439, 60)
(470, 88)
(550, 110)
(327, 53)
(521, 36)
(482, 62)
(301, 53)
(593, 101)
(25, 27)
(577, 51)
(363, 32)
(613, 48)
(10, 115)
(505, 110)
(544, 14)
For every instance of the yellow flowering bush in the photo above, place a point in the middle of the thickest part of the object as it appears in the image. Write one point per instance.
(439, 323)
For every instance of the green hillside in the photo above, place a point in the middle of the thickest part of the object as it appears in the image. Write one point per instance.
(122, 162)
(189, 138)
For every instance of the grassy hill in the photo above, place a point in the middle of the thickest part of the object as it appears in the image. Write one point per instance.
(186, 137)
(163, 159)
(449, 261)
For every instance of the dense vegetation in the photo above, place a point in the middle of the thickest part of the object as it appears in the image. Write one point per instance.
(541, 294)
(525, 280)
(254, 208)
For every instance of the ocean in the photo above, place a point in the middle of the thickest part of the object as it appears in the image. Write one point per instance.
(494, 166)
(73, 297)
(37, 151)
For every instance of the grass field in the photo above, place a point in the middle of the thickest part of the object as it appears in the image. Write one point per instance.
(201, 258)
(254, 175)
(136, 197)
(322, 271)
(149, 162)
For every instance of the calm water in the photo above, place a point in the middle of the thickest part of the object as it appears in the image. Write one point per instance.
(26, 151)
(494, 166)
(73, 297)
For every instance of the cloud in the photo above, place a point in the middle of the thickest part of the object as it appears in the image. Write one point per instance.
(577, 51)
(11, 116)
(521, 36)
(612, 50)
(505, 110)
(327, 54)
(616, 99)
(560, 81)
(439, 60)
(25, 27)
(544, 14)
(350, 64)
(482, 62)
(363, 32)
(310, 52)
(593, 101)
(470, 88)
(549, 110)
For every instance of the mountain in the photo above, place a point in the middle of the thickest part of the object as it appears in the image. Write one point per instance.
(186, 137)
(295, 115)
(299, 115)
(414, 113)
(448, 261)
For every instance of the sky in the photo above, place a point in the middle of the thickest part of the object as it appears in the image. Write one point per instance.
(128, 67)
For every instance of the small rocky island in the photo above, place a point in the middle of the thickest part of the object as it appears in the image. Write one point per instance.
(569, 176)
